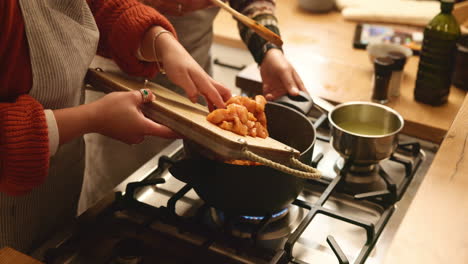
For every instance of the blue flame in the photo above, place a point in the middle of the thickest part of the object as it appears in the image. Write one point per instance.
(259, 218)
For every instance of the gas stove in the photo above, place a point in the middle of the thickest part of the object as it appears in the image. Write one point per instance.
(348, 216)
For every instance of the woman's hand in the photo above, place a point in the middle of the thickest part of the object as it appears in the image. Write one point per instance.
(117, 115)
(183, 70)
(279, 77)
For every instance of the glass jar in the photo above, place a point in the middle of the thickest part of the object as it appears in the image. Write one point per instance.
(381, 81)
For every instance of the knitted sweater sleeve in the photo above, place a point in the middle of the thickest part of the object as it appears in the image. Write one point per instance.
(24, 146)
(263, 12)
(122, 24)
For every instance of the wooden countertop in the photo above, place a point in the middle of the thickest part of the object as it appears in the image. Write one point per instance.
(435, 228)
(320, 47)
(11, 256)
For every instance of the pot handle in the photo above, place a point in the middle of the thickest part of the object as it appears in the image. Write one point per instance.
(302, 102)
(302, 170)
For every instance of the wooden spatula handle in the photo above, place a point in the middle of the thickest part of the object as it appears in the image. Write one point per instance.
(252, 24)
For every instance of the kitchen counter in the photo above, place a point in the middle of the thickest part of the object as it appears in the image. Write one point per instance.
(9, 256)
(434, 229)
(320, 47)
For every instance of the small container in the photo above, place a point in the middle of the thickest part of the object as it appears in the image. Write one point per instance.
(376, 50)
(397, 74)
(381, 82)
(460, 75)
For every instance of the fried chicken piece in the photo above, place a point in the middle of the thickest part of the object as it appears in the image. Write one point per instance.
(233, 110)
(261, 131)
(256, 107)
(242, 116)
(243, 162)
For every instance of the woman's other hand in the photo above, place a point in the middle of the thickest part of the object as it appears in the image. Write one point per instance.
(279, 77)
(117, 115)
(183, 70)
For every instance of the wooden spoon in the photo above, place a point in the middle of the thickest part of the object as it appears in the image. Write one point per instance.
(261, 30)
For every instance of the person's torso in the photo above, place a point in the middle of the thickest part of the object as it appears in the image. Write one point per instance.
(195, 31)
(62, 38)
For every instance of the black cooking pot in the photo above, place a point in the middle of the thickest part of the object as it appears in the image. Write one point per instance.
(251, 190)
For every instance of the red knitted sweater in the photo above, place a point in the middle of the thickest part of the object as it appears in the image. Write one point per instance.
(24, 143)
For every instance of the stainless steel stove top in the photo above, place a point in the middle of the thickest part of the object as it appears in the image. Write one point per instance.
(318, 215)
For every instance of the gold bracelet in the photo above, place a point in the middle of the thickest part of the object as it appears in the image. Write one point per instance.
(160, 68)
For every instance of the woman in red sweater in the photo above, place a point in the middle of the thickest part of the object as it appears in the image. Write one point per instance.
(45, 50)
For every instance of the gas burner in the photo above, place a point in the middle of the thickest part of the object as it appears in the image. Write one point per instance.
(258, 219)
(364, 170)
(128, 251)
(360, 179)
(259, 228)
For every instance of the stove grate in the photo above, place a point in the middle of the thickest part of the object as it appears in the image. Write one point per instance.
(385, 198)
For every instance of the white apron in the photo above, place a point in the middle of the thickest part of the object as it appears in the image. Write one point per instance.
(62, 38)
(109, 161)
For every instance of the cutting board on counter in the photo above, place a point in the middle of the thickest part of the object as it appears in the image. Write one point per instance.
(189, 120)
(10, 256)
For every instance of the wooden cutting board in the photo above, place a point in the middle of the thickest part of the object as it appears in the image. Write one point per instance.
(189, 120)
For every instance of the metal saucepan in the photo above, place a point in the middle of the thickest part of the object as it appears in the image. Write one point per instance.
(362, 132)
(250, 190)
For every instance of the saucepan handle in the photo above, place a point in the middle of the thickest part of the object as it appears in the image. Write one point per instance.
(302, 102)
(301, 170)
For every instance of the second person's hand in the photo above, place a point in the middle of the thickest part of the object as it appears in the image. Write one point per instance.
(279, 76)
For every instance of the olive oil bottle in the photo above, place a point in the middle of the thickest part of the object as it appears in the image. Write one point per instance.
(437, 57)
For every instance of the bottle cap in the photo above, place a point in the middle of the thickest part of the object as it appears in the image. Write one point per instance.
(399, 59)
(448, 1)
(383, 65)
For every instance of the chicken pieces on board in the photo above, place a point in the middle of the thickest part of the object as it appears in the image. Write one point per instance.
(243, 116)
